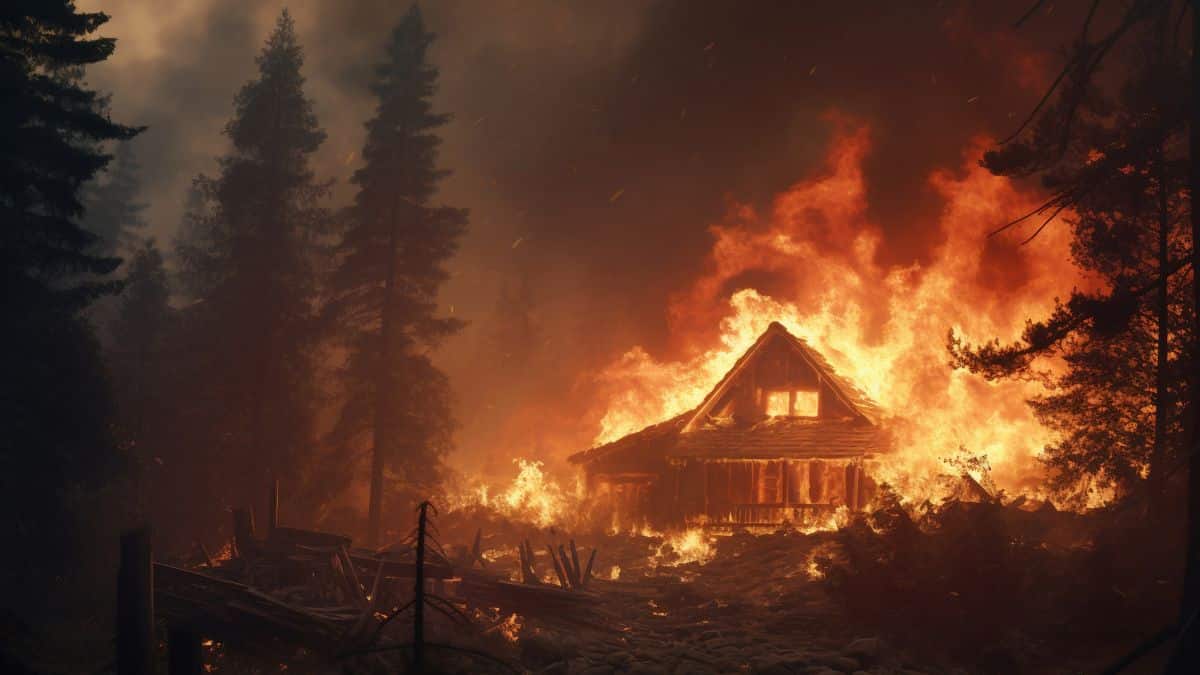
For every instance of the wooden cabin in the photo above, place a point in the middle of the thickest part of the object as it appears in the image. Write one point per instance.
(781, 438)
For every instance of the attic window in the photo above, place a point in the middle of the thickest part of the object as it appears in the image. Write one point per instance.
(778, 403)
(792, 403)
(805, 404)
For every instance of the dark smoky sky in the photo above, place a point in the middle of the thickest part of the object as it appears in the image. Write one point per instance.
(595, 142)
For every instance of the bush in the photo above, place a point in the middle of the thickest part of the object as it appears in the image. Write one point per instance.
(1003, 588)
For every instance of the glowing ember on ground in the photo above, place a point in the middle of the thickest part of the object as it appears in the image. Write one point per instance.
(510, 628)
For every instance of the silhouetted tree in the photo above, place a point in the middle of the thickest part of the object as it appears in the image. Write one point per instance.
(54, 391)
(246, 255)
(1120, 164)
(1084, 150)
(112, 210)
(139, 361)
(384, 291)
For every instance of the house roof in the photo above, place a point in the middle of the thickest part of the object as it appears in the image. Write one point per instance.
(692, 434)
(845, 390)
(783, 438)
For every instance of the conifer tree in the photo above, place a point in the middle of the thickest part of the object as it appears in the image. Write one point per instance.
(246, 252)
(392, 257)
(139, 362)
(139, 331)
(48, 127)
(112, 210)
(57, 440)
(1119, 162)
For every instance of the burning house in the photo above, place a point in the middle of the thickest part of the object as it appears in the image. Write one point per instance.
(780, 438)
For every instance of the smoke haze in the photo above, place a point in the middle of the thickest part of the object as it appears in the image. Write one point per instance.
(595, 144)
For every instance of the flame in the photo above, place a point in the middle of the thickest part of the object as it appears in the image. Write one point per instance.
(510, 628)
(812, 569)
(824, 522)
(533, 496)
(882, 327)
(681, 548)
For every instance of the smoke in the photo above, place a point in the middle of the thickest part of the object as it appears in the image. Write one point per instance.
(595, 144)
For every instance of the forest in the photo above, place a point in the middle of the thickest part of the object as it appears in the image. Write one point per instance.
(402, 360)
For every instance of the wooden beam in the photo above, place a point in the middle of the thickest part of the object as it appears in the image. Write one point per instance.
(558, 569)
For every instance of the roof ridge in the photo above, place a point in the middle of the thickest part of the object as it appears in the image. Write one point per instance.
(850, 394)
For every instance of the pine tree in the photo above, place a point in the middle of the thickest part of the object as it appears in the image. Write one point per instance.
(112, 210)
(57, 441)
(138, 358)
(246, 252)
(1119, 163)
(48, 127)
(384, 291)
(142, 323)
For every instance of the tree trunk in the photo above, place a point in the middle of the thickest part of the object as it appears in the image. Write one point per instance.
(1188, 653)
(1162, 406)
(384, 383)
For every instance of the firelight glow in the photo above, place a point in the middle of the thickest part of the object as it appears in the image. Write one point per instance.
(884, 329)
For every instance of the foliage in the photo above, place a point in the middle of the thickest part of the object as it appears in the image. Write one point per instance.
(48, 127)
(1004, 589)
(1116, 166)
(391, 263)
(247, 250)
(113, 212)
(58, 443)
(141, 365)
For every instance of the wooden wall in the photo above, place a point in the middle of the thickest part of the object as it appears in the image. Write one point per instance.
(742, 491)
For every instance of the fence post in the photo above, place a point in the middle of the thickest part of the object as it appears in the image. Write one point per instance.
(135, 604)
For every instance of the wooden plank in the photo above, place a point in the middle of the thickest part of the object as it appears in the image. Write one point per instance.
(578, 573)
(562, 578)
(587, 574)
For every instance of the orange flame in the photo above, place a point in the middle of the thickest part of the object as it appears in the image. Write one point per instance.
(884, 328)
(533, 497)
(681, 548)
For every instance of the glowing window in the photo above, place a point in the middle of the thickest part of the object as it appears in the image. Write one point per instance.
(792, 403)
(778, 403)
(806, 404)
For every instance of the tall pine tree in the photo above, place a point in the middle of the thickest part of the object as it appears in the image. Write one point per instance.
(246, 253)
(392, 259)
(54, 392)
